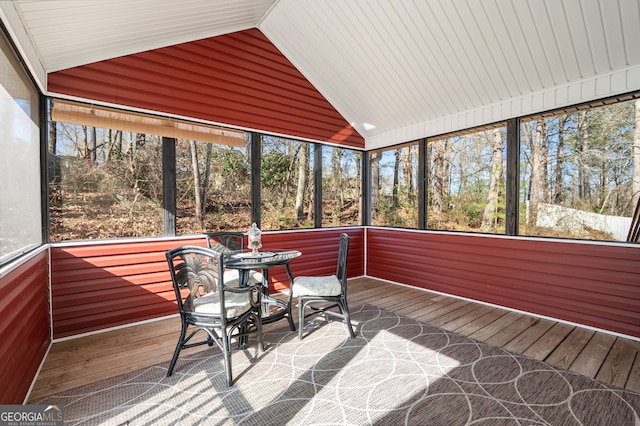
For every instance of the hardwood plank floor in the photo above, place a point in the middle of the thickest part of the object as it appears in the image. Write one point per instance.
(593, 355)
(610, 359)
(564, 355)
(617, 365)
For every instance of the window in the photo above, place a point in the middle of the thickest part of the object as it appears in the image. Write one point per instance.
(107, 183)
(394, 187)
(579, 177)
(104, 183)
(287, 185)
(466, 182)
(20, 182)
(106, 174)
(341, 187)
(213, 187)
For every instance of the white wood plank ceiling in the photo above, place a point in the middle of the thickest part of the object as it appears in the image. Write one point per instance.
(397, 69)
(68, 33)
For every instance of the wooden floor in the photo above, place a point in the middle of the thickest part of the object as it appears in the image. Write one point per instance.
(609, 359)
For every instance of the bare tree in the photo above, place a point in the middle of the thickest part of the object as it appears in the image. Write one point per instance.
(396, 183)
(489, 215)
(336, 175)
(581, 148)
(375, 179)
(294, 149)
(407, 170)
(536, 173)
(439, 175)
(544, 161)
(205, 180)
(53, 137)
(196, 180)
(303, 180)
(558, 196)
(93, 145)
(635, 196)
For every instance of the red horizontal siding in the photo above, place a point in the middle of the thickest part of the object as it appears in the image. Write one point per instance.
(102, 285)
(319, 253)
(238, 79)
(97, 286)
(592, 284)
(24, 330)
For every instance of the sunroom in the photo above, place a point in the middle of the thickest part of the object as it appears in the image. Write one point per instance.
(485, 151)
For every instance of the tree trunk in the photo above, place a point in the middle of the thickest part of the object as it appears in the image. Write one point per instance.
(53, 138)
(439, 176)
(93, 145)
(293, 156)
(558, 196)
(85, 143)
(544, 161)
(196, 180)
(205, 180)
(375, 181)
(133, 144)
(396, 173)
(635, 195)
(491, 207)
(358, 184)
(109, 145)
(603, 194)
(336, 182)
(581, 149)
(303, 180)
(118, 142)
(536, 174)
(407, 171)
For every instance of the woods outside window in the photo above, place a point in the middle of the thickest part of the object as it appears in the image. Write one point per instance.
(578, 177)
(580, 172)
(341, 187)
(286, 172)
(394, 187)
(213, 187)
(466, 182)
(104, 183)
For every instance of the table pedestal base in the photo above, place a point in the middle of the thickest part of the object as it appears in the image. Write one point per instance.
(272, 309)
(276, 309)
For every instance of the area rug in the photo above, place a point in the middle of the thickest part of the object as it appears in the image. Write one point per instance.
(397, 371)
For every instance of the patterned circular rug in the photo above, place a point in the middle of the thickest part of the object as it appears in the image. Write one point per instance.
(396, 371)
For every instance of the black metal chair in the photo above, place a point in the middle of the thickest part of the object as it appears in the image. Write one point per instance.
(322, 293)
(207, 304)
(232, 241)
(225, 241)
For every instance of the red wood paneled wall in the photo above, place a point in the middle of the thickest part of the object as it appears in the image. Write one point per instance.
(97, 286)
(319, 252)
(25, 332)
(596, 285)
(239, 79)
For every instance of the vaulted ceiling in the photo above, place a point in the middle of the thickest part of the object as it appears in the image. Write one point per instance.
(396, 70)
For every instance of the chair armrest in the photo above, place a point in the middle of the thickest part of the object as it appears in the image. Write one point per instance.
(254, 291)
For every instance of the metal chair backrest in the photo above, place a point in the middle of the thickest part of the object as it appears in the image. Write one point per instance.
(341, 270)
(195, 274)
(225, 241)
